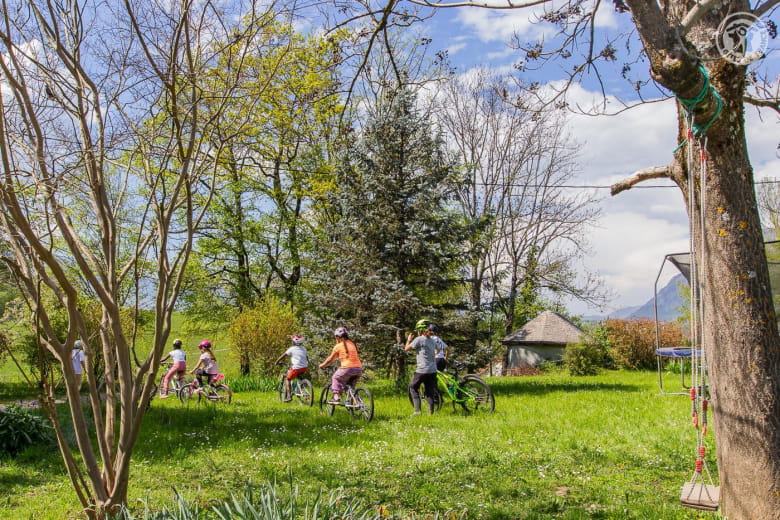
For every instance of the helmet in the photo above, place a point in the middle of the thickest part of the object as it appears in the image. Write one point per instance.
(297, 339)
(340, 332)
(78, 344)
(204, 344)
(422, 324)
(177, 343)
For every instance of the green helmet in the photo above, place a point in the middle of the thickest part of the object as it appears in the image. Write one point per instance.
(422, 324)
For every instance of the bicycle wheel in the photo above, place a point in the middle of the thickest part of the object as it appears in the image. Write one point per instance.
(305, 392)
(475, 395)
(282, 389)
(325, 407)
(184, 394)
(222, 394)
(365, 403)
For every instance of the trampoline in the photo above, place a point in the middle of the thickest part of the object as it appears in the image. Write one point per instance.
(681, 353)
(682, 261)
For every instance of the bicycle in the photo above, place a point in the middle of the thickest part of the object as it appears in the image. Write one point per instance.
(355, 399)
(213, 391)
(299, 388)
(469, 391)
(175, 383)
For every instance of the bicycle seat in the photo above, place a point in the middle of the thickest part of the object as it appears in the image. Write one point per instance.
(218, 378)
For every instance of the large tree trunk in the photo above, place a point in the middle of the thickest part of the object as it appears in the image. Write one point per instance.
(740, 332)
(740, 329)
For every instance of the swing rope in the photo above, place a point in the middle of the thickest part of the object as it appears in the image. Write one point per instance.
(690, 104)
(698, 493)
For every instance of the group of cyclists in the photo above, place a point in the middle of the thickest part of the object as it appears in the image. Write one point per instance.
(430, 349)
(431, 357)
(206, 367)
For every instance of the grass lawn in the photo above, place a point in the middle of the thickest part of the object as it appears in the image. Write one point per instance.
(602, 447)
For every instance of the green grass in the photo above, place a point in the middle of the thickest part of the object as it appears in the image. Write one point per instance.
(598, 447)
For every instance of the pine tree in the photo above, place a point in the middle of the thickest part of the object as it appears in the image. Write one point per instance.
(390, 249)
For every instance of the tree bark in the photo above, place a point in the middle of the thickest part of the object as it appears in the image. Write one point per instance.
(739, 330)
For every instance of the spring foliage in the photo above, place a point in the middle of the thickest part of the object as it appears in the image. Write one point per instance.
(261, 333)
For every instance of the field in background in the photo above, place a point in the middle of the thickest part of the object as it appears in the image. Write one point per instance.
(606, 446)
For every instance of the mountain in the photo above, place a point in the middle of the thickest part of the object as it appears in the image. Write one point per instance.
(669, 300)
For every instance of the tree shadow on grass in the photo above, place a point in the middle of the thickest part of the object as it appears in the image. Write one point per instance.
(240, 424)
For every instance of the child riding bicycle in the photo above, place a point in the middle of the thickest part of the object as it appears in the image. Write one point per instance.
(299, 362)
(178, 367)
(207, 364)
(350, 368)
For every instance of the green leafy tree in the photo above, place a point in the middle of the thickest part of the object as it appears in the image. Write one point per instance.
(256, 234)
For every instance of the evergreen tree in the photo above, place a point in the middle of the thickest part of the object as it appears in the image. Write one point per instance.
(391, 240)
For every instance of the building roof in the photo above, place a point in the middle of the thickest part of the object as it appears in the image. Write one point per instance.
(549, 327)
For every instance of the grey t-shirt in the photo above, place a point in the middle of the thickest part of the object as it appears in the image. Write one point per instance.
(426, 354)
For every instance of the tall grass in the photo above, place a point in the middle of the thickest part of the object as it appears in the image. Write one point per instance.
(605, 446)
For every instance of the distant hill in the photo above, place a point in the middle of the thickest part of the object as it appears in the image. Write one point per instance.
(669, 300)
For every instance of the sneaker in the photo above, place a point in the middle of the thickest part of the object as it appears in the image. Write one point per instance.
(165, 396)
(415, 413)
(287, 399)
(335, 400)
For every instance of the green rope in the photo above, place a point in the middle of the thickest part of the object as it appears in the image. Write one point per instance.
(689, 104)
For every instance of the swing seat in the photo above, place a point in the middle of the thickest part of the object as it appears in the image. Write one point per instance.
(700, 496)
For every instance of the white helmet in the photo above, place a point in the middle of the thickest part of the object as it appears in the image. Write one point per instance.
(297, 339)
(78, 344)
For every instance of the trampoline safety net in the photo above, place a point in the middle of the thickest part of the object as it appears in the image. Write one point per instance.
(683, 263)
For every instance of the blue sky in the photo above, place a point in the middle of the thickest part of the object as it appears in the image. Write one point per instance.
(637, 227)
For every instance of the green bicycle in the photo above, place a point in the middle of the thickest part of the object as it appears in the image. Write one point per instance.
(470, 391)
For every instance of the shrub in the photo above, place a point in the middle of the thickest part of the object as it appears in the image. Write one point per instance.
(582, 359)
(633, 342)
(253, 383)
(20, 428)
(259, 335)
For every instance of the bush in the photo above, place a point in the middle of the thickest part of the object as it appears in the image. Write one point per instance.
(633, 342)
(582, 359)
(252, 383)
(20, 428)
(259, 335)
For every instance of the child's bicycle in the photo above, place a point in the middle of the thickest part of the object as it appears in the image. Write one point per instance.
(300, 388)
(470, 391)
(175, 383)
(213, 391)
(356, 399)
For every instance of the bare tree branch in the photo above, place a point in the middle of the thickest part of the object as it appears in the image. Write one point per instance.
(761, 10)
(774, 104)
(655, 172)
(698, 10)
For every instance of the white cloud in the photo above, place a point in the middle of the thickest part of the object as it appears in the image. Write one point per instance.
(492, 25)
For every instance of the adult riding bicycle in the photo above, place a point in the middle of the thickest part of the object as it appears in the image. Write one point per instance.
(470, 391)
(213, 391)
(300, 389)
(357, 400)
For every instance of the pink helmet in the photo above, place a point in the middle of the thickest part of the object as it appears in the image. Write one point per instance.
(204, 344)
(297, 339)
